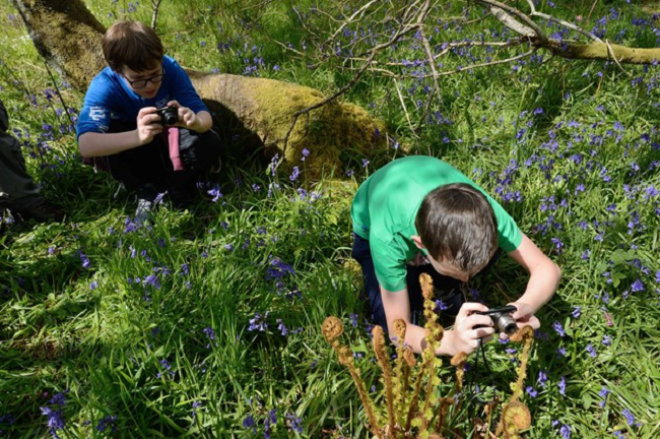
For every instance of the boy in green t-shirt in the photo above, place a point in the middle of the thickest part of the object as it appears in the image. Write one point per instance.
(420, 208)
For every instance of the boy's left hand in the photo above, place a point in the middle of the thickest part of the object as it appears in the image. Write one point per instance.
(187, 117)
(524, 316)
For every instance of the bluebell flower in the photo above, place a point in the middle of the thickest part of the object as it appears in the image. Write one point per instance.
(591, 350)
(440, 306)
(354, 320)
(209, 333)
(365, 163)
(105, 422)
(295, 174)
(195, 406)
(94, 285)
(559, 329)
(258, 323)
(577, 312)
(152, 280)
(562, 351)
(85, 261)
(58, 399)
(565, 431)
(305, 154)
(637, 286)
(630, 418)
(215, 193)
(248, 422)
(542, 379)
(603, 394)
(531, 392)
(280, 326)
(55, 420)
(562, 386)
(295, 423)
(607, 340)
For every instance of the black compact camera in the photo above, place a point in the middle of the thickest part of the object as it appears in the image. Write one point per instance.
(501, 319)
(168, 115)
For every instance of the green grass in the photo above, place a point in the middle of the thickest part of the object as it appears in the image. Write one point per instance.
(140, 352)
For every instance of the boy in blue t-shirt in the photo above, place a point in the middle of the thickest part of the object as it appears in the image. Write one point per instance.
(119, 123)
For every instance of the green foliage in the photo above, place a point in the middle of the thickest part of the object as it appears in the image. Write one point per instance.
(185, 351)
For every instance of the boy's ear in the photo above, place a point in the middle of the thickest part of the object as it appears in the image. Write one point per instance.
(418, 242)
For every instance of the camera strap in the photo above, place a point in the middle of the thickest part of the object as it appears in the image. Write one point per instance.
(172, 134)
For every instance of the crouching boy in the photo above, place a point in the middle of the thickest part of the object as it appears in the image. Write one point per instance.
(420, 214)
(120, 124)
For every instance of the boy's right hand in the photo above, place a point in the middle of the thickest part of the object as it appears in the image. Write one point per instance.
(465, 337)
(146, 126)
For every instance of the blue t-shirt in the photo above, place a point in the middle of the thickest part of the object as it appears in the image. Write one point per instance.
(109, 98)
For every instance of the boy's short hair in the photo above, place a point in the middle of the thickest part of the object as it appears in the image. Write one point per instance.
(132, 44)
(457, 223)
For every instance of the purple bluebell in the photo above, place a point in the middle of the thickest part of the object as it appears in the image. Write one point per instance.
(108, 421)
(248, 422)
(55, 420)
(591, 350)
(294, 422)
(295, 174)
(557, 326)
(577, 312)
(607, 340)
(258, 322)
(637, 286)
(209, 333)
(280, 326)
(542, 379)
(562, 386)
(603, 394)
(195, 406)
(630, 418)
(531, 392)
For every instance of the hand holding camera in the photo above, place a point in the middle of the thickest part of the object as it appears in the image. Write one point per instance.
(502, 319)
(470, 329)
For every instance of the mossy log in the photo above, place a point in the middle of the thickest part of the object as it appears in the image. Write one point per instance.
(68, 36)
(601, 52)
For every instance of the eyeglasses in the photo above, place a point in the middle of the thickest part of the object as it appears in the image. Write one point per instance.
(142, 83)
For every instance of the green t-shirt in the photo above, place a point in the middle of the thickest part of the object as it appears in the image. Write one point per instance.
(386, 205)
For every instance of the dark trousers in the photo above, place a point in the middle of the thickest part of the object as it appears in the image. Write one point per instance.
(148, 169)
(14, 180)
(447, 289)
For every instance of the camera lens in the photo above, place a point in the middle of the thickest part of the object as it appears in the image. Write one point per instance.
(170, 116)
(506, 324)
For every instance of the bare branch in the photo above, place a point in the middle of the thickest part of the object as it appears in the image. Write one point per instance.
(513, 11)
(359, 12)
(155, 5)
(512, 23)
(566, 24)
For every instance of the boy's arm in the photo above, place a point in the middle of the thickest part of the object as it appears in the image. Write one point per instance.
(463, 338)
(94, 144)
(544, 276)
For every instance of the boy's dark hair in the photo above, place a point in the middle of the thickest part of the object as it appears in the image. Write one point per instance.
(132, 44)
(457, 223)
